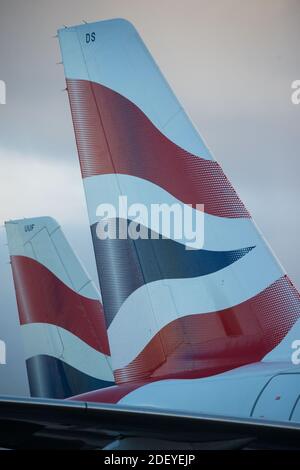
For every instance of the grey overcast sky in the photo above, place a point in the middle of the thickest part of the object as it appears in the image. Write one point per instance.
(231, 63)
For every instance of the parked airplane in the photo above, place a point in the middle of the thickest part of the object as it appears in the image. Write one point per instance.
(60, 312)
(200, 340)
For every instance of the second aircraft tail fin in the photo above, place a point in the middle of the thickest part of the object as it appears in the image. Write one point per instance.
(60, 311)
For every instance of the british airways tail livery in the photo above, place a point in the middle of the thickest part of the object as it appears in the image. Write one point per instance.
(60, 312)
(208, 329)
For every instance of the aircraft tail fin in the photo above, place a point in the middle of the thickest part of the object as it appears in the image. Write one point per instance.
(60, 312)
(170, 311)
